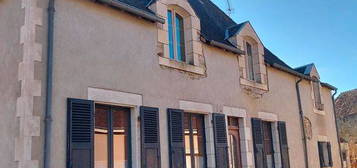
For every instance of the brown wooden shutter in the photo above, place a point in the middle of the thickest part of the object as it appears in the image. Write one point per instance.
(150, 137)
(329, 154)
(284, 148)
(220, 140)
(80, 133)
(258, 142)
(176, 138)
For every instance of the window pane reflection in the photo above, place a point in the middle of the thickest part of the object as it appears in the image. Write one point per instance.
(101, 137)
(111, 130)
(120, 137)
(194, 141)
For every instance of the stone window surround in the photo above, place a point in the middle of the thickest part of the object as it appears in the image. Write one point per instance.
(273, 118)
(244, 131)
(247, 34)
(259, 77)
(193, 46)
(315, 109)
(130, 100)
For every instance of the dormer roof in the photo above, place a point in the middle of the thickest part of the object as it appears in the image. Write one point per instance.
(305, 69)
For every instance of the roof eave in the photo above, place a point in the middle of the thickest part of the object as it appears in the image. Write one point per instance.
(133, 10)
(226, 47)
(300, 75)
(221, 45)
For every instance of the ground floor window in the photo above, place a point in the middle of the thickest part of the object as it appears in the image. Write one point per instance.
(111, 137)
(268, 145)
(325, 154)
(234, 143)
(195, 146)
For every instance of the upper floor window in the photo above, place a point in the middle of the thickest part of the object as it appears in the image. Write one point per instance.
(317, 94)
(176, 36)
(250, 62)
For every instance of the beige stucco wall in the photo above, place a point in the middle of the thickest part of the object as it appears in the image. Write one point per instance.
(97, 46)
(10, 55)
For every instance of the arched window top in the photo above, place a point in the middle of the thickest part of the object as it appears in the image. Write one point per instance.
(179, 10)
(251, 40)
(181, 6)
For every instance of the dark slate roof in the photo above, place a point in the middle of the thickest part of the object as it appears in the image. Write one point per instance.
(305, 69)
(214, 22)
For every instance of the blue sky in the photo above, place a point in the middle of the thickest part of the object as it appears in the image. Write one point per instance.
(304, 31)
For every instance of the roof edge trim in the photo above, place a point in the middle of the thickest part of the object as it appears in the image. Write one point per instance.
(133, 10)
(282, 68)
(225, 47)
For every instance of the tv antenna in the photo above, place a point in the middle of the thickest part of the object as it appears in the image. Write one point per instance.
(230, 9)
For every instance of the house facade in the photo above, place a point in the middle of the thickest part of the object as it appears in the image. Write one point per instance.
(165, 83)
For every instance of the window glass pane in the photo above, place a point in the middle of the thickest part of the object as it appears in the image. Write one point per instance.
(171, 34)
(194, 141)
(187, 142)
(233, 151)
(101, 137)
(198, 140)
(325, 154)
(268, 145)
(317, 95)
(120, 136)
(180, 41)
(250, 62)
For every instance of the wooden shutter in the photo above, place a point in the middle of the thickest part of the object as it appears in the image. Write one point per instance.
(329, 154)
(176, 138)
(150, 137)
(220, 140)
(284, 148)
(258, 142)
(80, 133)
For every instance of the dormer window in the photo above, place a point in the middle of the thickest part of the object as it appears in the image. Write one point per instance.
(250, 62)
(317, 94)
(176, 36)
(178, 39)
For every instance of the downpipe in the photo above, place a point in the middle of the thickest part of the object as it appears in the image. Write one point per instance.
(301, 112)
(48, 112)
(337, 128)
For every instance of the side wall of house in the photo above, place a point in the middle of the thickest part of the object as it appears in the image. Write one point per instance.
(22, 34)
(10, 56)
(100, 47)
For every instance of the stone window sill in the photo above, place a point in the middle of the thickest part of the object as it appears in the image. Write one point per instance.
(254, 84)
(181, 66)
(320, 112)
